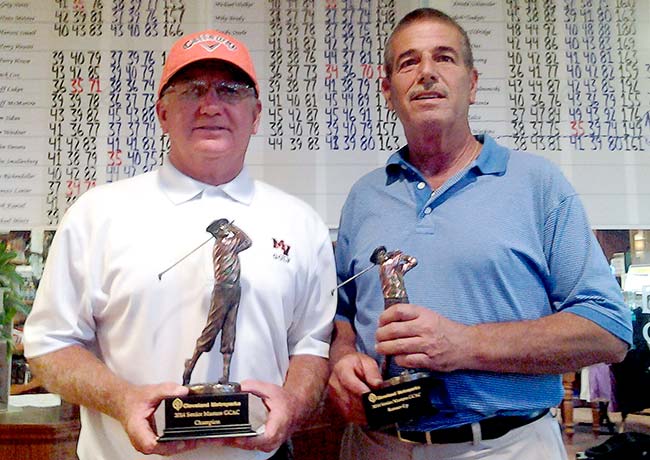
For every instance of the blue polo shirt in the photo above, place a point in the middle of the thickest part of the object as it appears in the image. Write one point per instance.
(506, 239)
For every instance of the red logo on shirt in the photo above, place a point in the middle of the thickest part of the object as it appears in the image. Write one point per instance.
(282, 246)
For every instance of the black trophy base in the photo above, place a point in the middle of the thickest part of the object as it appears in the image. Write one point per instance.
(399, 399)
(212, 411)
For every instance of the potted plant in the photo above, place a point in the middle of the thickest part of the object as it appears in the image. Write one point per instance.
(10, 303)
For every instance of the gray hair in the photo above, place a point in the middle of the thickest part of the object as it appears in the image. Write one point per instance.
(427, 14)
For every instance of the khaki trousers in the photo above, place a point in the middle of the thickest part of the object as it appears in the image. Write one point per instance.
(539, 440)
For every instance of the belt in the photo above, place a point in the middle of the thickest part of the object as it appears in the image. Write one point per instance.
(491, 428)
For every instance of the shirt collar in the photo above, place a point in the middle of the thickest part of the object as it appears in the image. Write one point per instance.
(181, 188)
(493, 159)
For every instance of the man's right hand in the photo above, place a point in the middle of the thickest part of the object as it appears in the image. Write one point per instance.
(353, 374)
(81, 378)
(136, 411)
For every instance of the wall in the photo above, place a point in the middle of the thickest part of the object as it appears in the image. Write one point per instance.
(569, 79)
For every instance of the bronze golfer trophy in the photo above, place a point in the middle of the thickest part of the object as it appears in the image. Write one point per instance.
(404, 396)
(218, 409)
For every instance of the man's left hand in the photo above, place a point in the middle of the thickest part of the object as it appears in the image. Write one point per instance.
(279, 424)
(420, 338)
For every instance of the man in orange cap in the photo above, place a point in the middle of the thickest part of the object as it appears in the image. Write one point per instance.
(108, 334)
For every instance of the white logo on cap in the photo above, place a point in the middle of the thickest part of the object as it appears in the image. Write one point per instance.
(210, 42)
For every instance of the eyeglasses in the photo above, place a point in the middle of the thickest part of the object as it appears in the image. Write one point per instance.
(230, 92)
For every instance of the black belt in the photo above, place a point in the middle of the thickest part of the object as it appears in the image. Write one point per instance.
(491, 428)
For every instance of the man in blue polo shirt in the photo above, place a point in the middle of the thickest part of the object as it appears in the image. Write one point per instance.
(511, 288)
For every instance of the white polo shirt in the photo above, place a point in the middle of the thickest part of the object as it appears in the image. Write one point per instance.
(100, 288)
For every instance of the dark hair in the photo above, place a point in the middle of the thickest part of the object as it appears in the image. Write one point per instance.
(427, 14)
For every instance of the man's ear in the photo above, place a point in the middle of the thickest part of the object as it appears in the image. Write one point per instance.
(257, 114)
(161, 111)
(473, 85)
(385, 89)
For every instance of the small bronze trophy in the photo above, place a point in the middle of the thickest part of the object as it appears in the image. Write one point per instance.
(218, 409)
(405, 396)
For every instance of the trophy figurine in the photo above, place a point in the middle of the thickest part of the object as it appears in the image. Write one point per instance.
(226, 292)
(217, 409)
(404, 396)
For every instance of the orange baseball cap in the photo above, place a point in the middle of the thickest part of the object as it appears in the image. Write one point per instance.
(208, 44)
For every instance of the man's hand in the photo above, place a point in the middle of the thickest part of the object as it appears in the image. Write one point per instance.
(279, 423)
(353, 375)
(81, 378)
(420, 338)
(136, 410)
